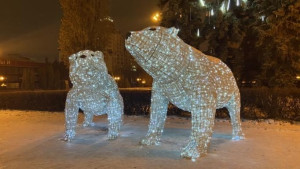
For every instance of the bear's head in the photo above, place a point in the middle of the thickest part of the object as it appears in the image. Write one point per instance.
(86, 68)
(159, 51)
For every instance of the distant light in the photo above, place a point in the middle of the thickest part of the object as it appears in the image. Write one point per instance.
(117, 78)
(212, 12)
(144, 82)
(3, 85)
(228, 5)
(222, 8)
(237, 2)
(198, 32)
(107, 19)
(138, 79)
(2, 78)
(262, 18)
(253, 82)
(298, 77)
(156, 17)
(202, 3)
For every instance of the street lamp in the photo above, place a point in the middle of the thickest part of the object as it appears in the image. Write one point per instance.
(2, 78)
(156, 17)
(117, 78)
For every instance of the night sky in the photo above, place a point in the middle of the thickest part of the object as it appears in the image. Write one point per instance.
(30, 27)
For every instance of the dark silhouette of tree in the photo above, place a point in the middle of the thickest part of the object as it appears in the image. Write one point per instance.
(279, 38)
(258, 39)
(206, 27)
(82, 26)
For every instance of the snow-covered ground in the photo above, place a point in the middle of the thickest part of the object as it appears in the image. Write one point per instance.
(31, 139)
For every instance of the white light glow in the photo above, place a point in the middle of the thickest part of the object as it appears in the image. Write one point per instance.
(228, 5)
(190, 80)
(198, 33)
(212, 12)
(202, 3)
(237, 2)
(222, 8)
(94, 91)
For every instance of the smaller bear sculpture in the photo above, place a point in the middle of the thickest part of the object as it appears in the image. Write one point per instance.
(94, 91)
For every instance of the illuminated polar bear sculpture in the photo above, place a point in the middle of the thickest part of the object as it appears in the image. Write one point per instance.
(94, 91)
(188, 79)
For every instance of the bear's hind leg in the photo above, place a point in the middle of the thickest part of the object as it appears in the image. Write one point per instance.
(88, 120)
(203, 115)
(234, 111)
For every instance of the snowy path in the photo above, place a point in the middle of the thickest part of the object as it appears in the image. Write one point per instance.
(32, 140)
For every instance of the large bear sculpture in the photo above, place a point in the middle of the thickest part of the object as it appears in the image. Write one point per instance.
(94, 91)
(190, 80)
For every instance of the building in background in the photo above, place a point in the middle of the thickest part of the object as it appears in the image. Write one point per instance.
(18, 72)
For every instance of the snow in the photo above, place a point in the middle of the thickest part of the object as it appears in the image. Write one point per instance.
(32, 139)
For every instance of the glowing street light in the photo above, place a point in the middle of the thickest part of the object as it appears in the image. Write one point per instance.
(2, 78)
(117, 78)
(156, 17)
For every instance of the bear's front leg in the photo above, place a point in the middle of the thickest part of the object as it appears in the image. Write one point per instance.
(71, 115)
(203, 114)
(115, 112)
(158, 110)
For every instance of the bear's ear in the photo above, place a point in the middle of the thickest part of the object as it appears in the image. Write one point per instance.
(72, 58)
(99, 54)
(173, 31)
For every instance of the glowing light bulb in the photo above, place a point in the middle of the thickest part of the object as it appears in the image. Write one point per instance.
(228, 5)
(156, 17)
(223, 7)
(202, 3)
(212, 12)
